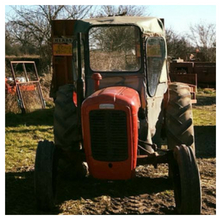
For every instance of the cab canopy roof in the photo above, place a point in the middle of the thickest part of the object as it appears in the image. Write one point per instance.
(148, 25)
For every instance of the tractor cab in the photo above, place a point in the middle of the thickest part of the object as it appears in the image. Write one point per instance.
(125, 51)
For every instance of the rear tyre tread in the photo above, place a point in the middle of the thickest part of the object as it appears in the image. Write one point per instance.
(66, 131)
(179, 119)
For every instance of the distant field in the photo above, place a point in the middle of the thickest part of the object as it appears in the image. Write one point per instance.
(204, 112)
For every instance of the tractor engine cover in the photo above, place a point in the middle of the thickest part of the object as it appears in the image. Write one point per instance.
(110, 132)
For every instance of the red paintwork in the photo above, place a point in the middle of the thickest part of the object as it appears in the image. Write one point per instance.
(9, 88)
(12, 88)
(125, 99)
(27, 87)
(75, 98)
(96, 77)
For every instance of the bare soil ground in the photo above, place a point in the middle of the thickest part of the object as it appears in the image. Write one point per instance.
(149, 193)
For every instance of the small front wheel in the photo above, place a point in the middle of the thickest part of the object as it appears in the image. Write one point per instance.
(45, 175)
(186, 179)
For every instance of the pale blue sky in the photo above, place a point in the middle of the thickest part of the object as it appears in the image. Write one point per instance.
(178, 17)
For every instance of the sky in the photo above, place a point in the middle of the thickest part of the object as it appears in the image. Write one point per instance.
(177, 17)
(180, 17)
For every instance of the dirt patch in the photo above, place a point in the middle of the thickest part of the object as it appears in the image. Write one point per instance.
(149, 193)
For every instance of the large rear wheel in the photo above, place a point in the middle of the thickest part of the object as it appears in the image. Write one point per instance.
(67, 135)
(179, 117)
(66, 131)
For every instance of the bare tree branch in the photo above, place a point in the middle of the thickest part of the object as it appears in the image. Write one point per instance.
(121, 10)
(203, 37)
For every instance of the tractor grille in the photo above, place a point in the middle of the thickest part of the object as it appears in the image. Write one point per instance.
(108, 129)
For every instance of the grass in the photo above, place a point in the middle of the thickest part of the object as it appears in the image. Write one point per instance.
(22, 134)
(204, 117)
(204, 112)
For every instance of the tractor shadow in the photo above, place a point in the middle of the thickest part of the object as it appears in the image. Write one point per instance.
(19, 194)
(20, 198)
(205, 100)
(205, 141)
(205, 136)
(38, 117)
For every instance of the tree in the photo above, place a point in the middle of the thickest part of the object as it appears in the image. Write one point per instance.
(121, 10)
(177, 45)
(10, 46)
(30, 27)
(202, 36)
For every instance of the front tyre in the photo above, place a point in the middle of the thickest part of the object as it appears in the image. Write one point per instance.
(45, 175)
(186, 180)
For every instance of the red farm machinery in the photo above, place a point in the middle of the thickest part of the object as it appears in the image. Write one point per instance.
(25, 85)
(114, 104)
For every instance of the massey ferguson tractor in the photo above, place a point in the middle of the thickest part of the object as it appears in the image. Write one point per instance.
(114, 103)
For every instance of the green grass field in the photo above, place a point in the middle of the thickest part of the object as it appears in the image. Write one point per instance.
(204, 112)
(23, 132)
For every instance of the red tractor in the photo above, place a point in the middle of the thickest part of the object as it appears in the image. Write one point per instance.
(113, 110)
